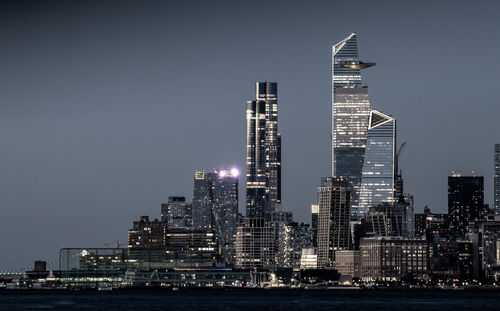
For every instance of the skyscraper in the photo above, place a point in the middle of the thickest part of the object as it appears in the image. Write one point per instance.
(215, 206)
(334, 197)
(378, 174)
(497, 179)
(465, 200)
(263, 152)
(176, 213)
(350, 113)
(225, 209)
(202, 200)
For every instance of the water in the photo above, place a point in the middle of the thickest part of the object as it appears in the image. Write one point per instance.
(255, 300)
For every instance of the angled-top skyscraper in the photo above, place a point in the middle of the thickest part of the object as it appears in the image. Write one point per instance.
(350, 113)
(263, 152)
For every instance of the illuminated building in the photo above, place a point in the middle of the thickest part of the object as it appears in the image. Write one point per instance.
(465, 200)
(176, 213)
(292, 239)
(348, 263)
(225, 208)
(215, 206)
(391, 258)
(202, 200)
(497, 179)
(350, 113)
(377, 180)
(334, 197)
(308, 259)
(263, 173)
(314, 224)
(255, 245)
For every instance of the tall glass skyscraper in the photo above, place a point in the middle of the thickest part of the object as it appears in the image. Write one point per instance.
(215, 206)
(497, 179)
(350, 114)
(263, 172)
(377, 180)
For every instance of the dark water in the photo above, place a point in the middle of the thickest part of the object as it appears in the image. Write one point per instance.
(252, 300)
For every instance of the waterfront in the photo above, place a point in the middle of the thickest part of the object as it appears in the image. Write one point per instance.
(252, 300)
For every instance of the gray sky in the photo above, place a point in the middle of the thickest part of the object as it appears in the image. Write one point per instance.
(107, 108)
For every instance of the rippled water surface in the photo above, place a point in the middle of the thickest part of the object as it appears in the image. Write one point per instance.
(252, 300)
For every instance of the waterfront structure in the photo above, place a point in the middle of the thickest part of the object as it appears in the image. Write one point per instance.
(350, 113)
(263, 172)
(465, 200)
(334, 198)
(348, 262)
(176, 213)
(378, 175)
(497, 180)
(292, 239)
(391, 258)
(255, 245)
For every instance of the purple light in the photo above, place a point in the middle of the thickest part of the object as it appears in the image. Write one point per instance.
(222, 173)
(234, 172)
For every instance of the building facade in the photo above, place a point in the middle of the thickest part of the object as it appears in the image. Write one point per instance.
(465, 200)
(263, 173)
(255, 245)
(378, 176)
(391, 258)
(496, 181)
(334, 198)
(176, 213)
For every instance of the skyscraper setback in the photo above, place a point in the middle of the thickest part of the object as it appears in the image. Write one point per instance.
(263, 184)
(363, 140)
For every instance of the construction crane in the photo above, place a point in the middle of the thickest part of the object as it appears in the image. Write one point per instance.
(400, 149)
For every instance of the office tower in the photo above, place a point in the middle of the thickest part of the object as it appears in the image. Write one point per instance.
(314, 224)
(176, 213)
(215, 206)
(384, 220)
(225, 208)
(202, 200)
(497, 180)
(292, 239)
(190, 248)
(465, 200)
(334, 198)
(377, 180)
(263, 152)
(255, 245)
(350, 113)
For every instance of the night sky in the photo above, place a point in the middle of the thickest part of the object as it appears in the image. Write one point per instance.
(107, 108)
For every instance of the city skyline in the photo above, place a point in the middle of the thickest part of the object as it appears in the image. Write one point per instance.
(73, 151)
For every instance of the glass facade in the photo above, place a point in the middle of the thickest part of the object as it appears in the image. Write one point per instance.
(352, 112)
(263, 152)
(377, 180)
(497, 179)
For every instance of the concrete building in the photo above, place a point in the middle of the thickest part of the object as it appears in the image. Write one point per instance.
(348, 263)
(391, 258)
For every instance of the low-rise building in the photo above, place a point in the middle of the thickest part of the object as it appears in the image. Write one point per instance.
(391, 258)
